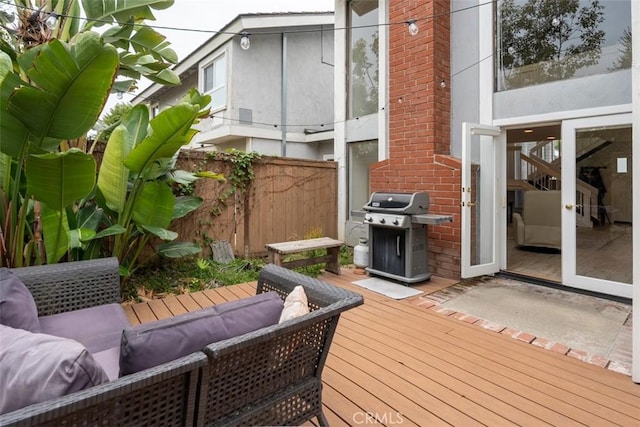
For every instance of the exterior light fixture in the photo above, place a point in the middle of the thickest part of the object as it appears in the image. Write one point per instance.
(528, 131)
(245, 43)
(119, 94)
(443, 83)
(413, 28)
(52, 20)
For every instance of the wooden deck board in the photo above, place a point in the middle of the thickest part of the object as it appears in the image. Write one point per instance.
(399, 361)
(160, 309)
(409, 365)
(529, 373)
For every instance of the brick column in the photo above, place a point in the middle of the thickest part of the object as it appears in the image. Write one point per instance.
(419, 124)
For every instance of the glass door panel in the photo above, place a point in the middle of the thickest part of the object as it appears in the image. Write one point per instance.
(597, 220)
(480, 194)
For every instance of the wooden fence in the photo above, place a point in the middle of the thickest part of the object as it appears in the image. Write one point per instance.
(289, 199)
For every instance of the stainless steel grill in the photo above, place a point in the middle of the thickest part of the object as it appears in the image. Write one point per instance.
(398, 235)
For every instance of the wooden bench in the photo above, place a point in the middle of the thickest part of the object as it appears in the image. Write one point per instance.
(278, 250)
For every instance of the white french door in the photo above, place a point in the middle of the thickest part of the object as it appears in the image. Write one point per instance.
(481, 200)
(597, 250)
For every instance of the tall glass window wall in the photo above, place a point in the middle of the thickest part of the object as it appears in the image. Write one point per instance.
(363, 58)
(541, 41)
(361, 155)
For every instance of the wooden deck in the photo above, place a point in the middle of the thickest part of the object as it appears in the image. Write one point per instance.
(396, 363)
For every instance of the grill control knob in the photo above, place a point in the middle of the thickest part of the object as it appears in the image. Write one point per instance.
(368, 218)
(396, 222)
(382, 221)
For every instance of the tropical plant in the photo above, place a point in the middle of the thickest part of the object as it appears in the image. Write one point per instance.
(55, 77)
(109, 121)
(135, 178)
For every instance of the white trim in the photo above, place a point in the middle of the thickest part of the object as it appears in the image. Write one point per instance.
(635, 99)
(485, 67)
(340, 112)
(211, 61)
(569, 275)
(247, 131)
(383, 80)
(492, 211)
(564, 115)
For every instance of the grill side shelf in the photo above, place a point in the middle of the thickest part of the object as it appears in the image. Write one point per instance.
(431, 219)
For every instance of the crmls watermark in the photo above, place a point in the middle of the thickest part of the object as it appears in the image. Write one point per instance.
(368, 418)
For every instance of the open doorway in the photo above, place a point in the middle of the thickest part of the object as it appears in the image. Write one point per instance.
(535, 202)
(534, 173)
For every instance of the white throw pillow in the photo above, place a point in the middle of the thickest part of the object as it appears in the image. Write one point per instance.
(295, 304)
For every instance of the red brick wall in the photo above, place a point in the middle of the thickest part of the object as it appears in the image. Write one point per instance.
(419, 124)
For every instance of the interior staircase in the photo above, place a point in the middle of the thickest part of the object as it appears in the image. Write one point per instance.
(541, 171)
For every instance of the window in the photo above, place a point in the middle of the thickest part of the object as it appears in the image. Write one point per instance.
(363, 58)
(361, 155)
(543, 41)
(214, 79)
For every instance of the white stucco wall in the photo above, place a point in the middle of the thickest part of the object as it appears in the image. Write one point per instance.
(468, 81)
(255, 81)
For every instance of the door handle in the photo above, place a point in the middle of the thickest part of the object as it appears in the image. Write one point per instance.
(568, 206)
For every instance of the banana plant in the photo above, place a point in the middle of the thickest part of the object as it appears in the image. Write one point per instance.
(135, 178)
(55, 77)
(57, 94)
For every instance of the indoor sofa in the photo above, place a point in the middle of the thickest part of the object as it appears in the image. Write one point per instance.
(540, 224)
(253, 375)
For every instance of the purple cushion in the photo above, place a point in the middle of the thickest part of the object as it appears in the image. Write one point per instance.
(37, 367)
(152, 344)
(97, 328)
(17, 307)
(109, 360)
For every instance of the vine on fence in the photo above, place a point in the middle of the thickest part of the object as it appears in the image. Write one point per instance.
(240, 177)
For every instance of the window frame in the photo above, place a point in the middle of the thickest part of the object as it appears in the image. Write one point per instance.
(222, 87)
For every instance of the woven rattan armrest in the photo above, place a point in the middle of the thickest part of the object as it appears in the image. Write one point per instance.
(272, 376)
(59, 288)
(164, 395)
(319, 293)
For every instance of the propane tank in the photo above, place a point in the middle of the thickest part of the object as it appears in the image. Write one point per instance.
(361, 254)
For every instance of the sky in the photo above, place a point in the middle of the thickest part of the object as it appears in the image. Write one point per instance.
(213, 15)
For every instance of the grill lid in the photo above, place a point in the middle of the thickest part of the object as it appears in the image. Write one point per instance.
(404, 203)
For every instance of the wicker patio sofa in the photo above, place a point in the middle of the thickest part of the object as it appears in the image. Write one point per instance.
(271, 376)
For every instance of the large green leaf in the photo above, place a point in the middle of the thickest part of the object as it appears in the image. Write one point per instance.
(185, 205)
(59, 179)
(154, 205)
(137, 123)
(79, 235)
(171, 129)
(104, 11)
(114, 176)
(178, 249)
(13, 133)
(55, 232)
(148, 40)
(161, 233)
(70, 86)
(111, 231)
(144, 52)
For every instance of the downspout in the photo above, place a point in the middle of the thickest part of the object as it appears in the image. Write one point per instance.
(283, 96)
